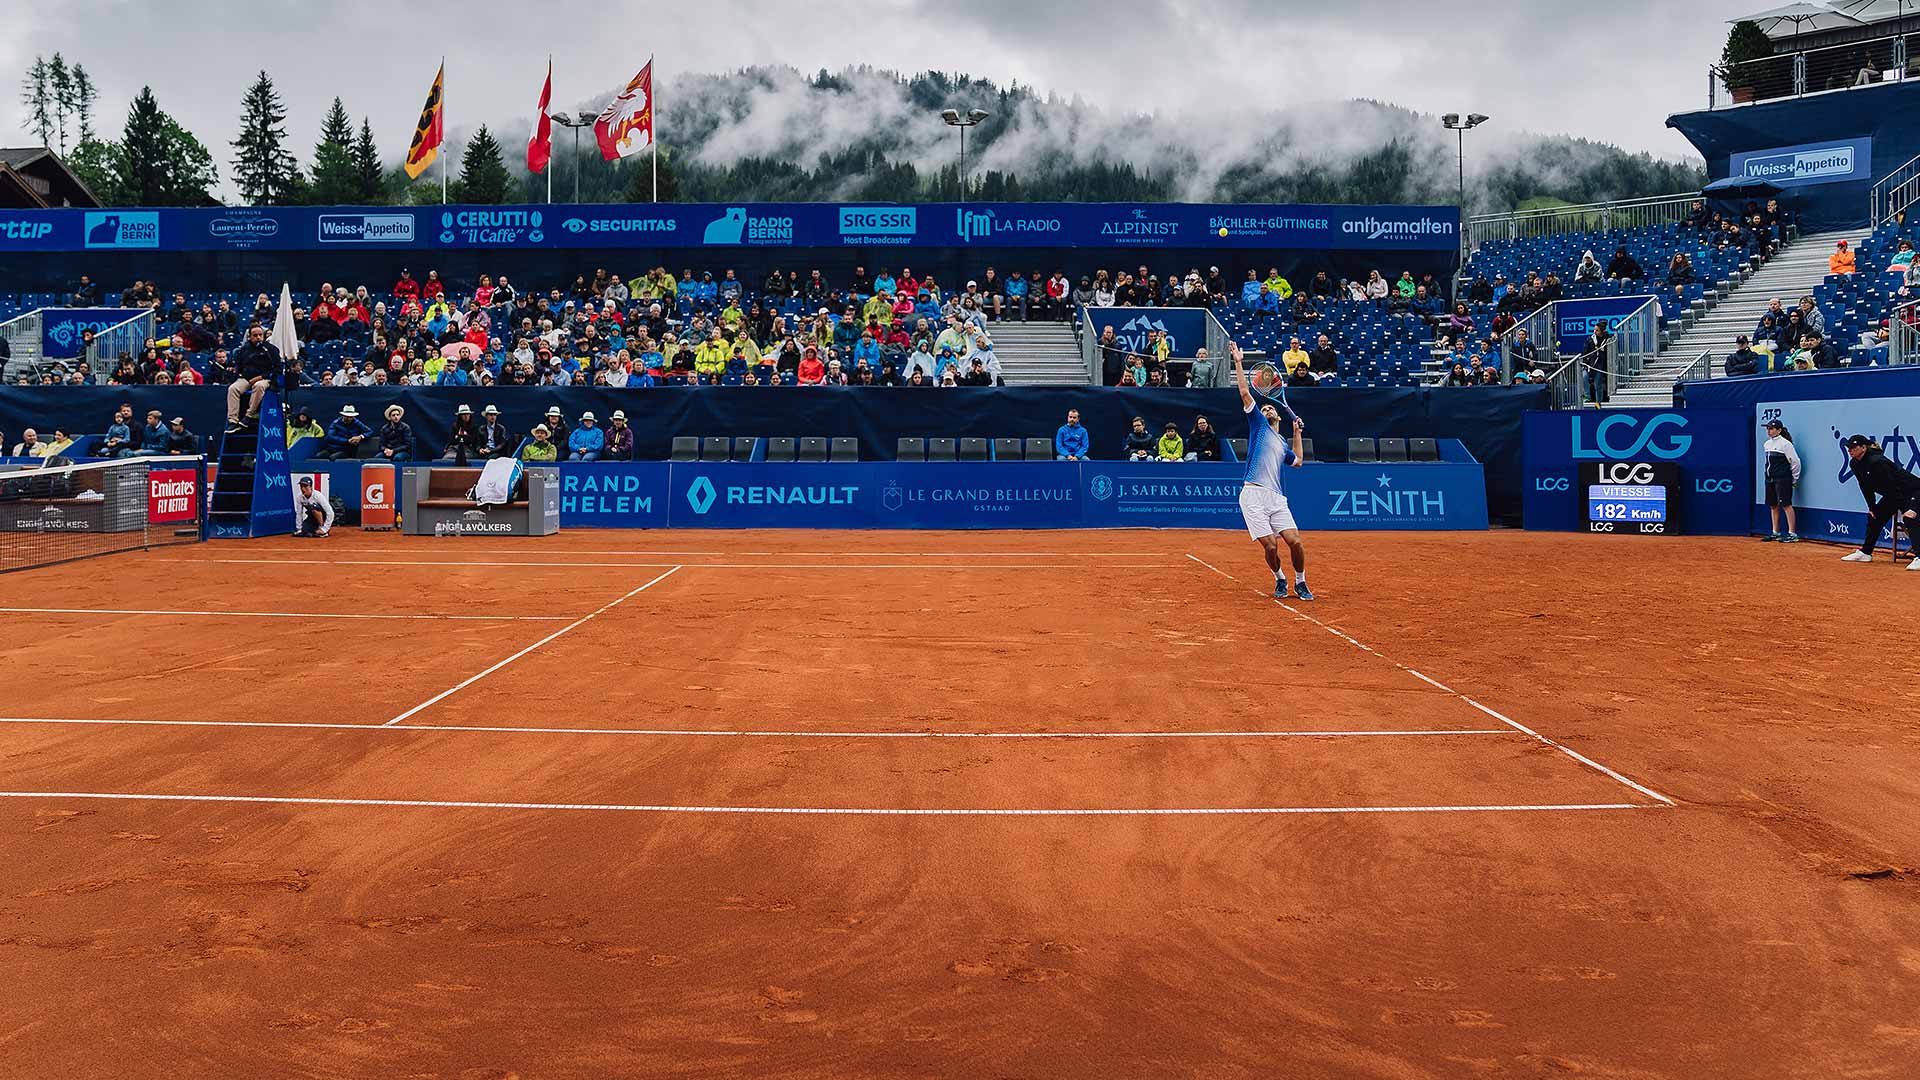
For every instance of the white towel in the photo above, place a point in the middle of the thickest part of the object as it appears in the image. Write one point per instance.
(496, 482)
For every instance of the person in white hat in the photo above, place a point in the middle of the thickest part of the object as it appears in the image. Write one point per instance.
(495, 439)
(619, 439)
(396, 436)
(586, 442)
(344, 435)
(464, 444)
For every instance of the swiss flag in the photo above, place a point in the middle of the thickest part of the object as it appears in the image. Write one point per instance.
(540, 146)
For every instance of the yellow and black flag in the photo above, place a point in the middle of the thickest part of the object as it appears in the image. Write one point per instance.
(426, 133)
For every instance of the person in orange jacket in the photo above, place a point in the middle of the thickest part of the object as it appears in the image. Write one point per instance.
(1841, 261)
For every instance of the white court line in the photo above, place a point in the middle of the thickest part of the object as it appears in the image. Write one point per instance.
(444, 694)
(696, 732)
(272, 614)
(573, 565)
(847, 811)
(797, 554)
(1570, 752)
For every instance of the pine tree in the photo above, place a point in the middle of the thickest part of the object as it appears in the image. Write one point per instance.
(84, 95)
(369, 179)
(60, 84)
(159, 162)
(36, 93)
(483, 172)
(640, 182)
(336, 178)
(262, 170)
(100, 164)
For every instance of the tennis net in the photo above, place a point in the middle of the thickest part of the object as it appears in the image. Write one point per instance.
(58, 513)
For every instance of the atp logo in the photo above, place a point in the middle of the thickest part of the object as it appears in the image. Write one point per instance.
(1101, 488)
(1607, 445)
(700, 495)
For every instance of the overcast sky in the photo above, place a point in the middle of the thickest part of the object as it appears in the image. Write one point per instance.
(1610, 71)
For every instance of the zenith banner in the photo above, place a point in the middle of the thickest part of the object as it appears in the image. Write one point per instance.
(719, 225)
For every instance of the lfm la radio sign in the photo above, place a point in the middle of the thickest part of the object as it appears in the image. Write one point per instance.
(172, 495)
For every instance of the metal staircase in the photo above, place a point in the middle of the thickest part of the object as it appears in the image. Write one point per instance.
(1789, 275)
(1038, 353)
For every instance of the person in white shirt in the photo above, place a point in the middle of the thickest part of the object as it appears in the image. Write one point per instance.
(314, 513)
(1782, 472)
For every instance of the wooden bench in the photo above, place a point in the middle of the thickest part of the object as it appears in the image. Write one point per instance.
(447, 488)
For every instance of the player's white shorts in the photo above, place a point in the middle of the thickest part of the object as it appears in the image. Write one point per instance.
(1266, 511)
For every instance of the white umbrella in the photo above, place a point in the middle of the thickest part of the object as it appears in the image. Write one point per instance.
(1796, 18)
(283, 336)
(1874, 11)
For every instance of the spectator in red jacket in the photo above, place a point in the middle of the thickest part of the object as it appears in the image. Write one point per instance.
(433, 289)
(812, 371)
(406, 288)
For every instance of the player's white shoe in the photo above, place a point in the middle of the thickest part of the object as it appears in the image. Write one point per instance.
(1856, 556)
(1915, 564)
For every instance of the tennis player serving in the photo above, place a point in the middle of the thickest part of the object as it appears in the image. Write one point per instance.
(1270, 451)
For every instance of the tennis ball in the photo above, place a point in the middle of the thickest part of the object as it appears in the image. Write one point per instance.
(1223, 230)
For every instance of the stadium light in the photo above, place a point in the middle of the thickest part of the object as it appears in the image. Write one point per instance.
(1453, 123)
(567, 120)
(954, 119)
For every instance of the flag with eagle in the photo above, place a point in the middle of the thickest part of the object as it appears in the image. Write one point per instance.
(426, 133)
(626, 127)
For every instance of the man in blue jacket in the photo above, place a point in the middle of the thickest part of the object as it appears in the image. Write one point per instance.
(586, 442)
(344, 436)
(1071, 442)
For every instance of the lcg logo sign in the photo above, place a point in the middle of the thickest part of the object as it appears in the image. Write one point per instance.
(1713, 487)
(1614, 437)
(1553, 483)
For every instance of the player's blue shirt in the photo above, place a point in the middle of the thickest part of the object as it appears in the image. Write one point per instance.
(1268, 452)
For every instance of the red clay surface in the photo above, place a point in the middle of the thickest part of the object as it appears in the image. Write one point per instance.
(622, 918)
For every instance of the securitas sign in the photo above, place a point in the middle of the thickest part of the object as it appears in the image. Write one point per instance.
(1807, 164)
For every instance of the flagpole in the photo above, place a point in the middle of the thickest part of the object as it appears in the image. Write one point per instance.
(655, 133)
(549, 169)
(444, 149)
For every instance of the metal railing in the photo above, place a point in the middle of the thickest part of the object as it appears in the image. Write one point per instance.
(22, 335)
(1543, 331)
(1894, 192)
(1903, 335)
(129, 337)
(1089, 346)
(1587, 217)
(1854, 65)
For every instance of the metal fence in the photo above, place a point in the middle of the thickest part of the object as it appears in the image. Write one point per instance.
(1798, 73)
(22, 335)
(1903, 335)
(1896, 191)
(129, 337)
(1587, 217)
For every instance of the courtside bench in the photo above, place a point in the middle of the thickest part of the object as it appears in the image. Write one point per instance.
(434, 502)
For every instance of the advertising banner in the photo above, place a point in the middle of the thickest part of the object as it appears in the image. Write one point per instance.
(1711, 448)
(173, 496)
(624, 225)
(272, 481)
(1831, 506)
(1575, 319)
(1186, 328)
(1028, 495)
(62, 330)
(1828, 162)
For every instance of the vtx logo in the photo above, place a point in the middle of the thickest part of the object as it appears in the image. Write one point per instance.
(1553, 483)
(1614, 438)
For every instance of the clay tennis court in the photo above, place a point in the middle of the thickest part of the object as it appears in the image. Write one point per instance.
(994, 805)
